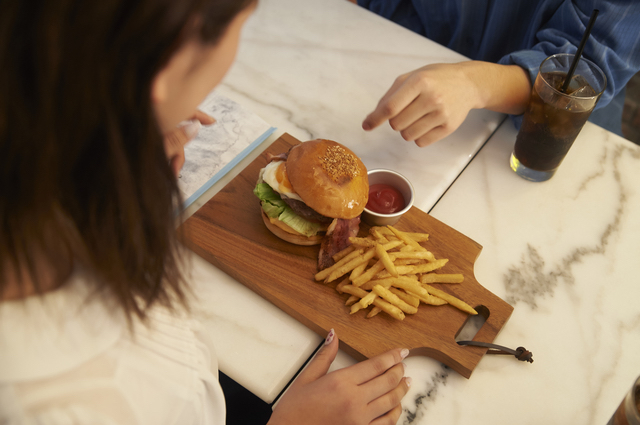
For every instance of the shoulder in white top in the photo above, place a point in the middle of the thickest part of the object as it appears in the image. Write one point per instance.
(68, 357)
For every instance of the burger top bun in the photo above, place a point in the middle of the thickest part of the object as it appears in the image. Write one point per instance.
(329, 178)
(286, 233)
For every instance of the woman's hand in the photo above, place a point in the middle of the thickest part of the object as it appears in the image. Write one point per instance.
(175, 141)
(366, 393)
(430, 103)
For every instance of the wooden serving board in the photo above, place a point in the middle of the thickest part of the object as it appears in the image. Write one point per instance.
(229, 233)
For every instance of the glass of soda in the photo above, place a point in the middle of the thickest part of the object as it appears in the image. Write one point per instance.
(628, 413)
(554, 118)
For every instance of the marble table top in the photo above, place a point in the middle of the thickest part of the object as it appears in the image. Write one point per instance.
(563, 252)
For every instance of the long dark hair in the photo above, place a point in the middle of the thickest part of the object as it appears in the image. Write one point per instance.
(83, 174)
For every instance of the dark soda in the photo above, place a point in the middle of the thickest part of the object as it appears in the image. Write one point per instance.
(551, 122)
(628, 412)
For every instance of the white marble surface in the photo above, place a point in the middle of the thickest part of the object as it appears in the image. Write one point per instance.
(565, 254)
(315, 70)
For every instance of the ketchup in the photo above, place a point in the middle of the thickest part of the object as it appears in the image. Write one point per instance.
(384, 199)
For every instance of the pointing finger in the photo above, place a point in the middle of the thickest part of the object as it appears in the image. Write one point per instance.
(399, 96)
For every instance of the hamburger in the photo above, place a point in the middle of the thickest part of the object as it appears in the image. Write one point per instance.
(314, 194)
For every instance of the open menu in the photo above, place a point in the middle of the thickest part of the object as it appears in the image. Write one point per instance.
(219, 147)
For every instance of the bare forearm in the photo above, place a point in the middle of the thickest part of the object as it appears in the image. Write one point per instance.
(500, 88)
(430, 103)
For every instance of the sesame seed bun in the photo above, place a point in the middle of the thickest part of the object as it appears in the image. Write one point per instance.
(329, 178)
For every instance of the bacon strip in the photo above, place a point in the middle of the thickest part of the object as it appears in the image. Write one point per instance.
(337, 239)
(280, 157)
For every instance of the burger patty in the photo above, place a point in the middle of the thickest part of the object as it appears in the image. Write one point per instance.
(304, 211)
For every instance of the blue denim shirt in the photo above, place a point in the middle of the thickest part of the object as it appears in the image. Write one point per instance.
(525, 32)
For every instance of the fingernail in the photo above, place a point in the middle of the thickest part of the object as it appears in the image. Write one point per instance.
(329, 338)
(190, 128)
(366, 126)
(404, 353)
(408, 381)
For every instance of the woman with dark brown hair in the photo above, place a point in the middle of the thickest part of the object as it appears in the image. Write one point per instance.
(94, 326)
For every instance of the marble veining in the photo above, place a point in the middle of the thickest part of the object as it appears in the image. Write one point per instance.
(426, 395)
(527, 281)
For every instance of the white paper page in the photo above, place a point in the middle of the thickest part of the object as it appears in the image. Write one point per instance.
(218, 147)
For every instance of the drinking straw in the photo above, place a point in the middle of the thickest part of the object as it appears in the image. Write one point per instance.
(576, 58)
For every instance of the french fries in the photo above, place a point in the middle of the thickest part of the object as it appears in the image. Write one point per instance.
(345, 265)
(386, 260)
(389, 271)
(340, 255)
(406, 297)
(441, 278)
(369, 274)
(451, 299)
(392, 298)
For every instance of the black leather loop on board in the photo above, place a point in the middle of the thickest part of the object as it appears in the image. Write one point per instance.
(520, 353)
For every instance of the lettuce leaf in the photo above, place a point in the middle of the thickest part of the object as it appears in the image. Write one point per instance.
(275, 207)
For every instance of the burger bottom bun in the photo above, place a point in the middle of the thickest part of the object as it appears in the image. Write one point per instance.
(286, 233)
